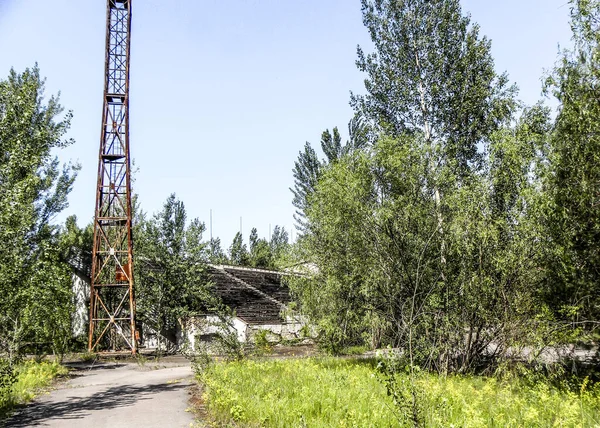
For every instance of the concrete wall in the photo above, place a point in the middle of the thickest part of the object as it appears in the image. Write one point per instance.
(287, 331)
(81, 296)
(201, 329)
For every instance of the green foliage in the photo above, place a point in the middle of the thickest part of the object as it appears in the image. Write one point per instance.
(34, 279)
(260, 255)
(279, 244)
(227, 342)
(172, 282)
(399, 378)
(8, 377)
(572, 209)
(355, 350)
(88, 357)
(427, 239)
(295, 393)
(307, 169)
(332, 392)
(376, 240)
(432, 74)
(238, 252)
(306, 172)
(216, 254)
(28, 380)
(262, 343)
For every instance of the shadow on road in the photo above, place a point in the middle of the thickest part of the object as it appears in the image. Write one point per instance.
(78, 366)
(79, 407)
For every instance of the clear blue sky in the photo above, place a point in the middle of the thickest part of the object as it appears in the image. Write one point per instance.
(225, 93)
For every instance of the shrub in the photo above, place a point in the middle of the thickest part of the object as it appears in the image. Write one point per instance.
(263, 346)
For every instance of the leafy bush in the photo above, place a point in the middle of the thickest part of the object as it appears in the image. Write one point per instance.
(228, 345)
(355, 350)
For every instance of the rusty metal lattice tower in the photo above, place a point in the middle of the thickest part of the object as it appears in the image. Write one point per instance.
(112, 300)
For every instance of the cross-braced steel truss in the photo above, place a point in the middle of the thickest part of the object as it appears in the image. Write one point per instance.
(112, 302)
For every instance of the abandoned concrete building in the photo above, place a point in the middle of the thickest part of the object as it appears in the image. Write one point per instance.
(258, 298)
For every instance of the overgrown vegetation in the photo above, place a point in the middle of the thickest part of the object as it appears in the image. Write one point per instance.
(262, 253)
(29, 379)
(172, 282)
(333, 392)
(35, 279)
(465, 229)
(456, 225)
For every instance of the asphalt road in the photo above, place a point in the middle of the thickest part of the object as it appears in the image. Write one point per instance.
(115, 395)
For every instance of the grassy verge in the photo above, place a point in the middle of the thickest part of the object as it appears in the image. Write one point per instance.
(32, 377)
(339, 393)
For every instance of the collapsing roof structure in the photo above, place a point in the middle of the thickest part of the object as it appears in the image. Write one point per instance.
(257, 296)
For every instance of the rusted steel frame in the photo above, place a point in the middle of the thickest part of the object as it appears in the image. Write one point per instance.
(96, 243)
(113, 318)
(128, 183)
(112, 231)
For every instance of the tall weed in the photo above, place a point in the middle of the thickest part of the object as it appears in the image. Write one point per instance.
(339, 392)
(29, 378)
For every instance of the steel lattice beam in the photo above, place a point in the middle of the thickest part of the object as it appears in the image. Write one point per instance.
(112, 300)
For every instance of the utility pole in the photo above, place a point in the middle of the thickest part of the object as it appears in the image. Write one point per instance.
(112, 300)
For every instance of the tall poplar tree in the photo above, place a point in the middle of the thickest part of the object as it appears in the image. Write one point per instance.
(238, 252)
(35, 283)
(431, 74)
(574, 183)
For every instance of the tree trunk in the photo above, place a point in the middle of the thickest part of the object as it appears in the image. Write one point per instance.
(438, 204)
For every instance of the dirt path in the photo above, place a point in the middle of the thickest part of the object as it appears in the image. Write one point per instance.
(115, 395)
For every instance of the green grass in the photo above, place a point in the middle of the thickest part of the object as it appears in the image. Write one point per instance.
(32, 378)
(347, 393)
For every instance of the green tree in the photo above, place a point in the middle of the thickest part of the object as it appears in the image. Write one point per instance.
(376, 243)
(260, 255)
(238, 252)
(172, 283)
(253, 240)
(76, 251)
(279, 243)
(307, 168)
(216, 253)
(494, 252)
(35, 283)
(573, 212)
(433, 75)
(426, 239)
(77, 245)
(306, 173)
